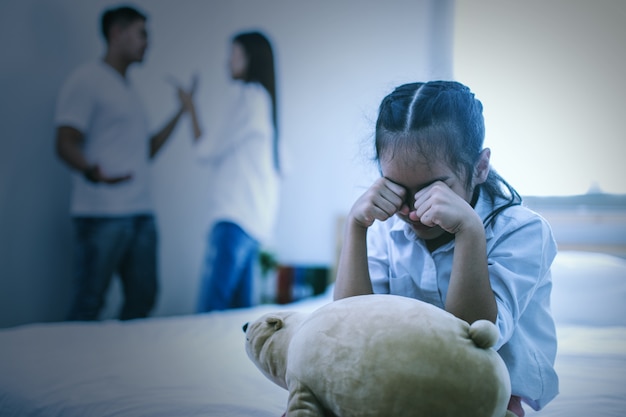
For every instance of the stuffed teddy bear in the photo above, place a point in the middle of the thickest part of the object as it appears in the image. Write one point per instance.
(381, 355)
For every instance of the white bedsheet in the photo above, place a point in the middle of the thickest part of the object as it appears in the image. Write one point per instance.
(196, 365)
(591, 364)
(174, 367)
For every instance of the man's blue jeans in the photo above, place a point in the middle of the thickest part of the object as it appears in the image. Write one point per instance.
(228, 271)
(105, 246)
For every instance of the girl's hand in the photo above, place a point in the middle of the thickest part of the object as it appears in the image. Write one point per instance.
(381, 201)
(439, 205)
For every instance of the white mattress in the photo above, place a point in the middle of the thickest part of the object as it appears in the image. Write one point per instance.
(196, 365)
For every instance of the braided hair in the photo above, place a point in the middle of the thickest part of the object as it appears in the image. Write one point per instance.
(440, 120)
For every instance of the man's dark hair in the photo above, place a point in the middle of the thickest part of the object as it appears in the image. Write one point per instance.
(123, 16)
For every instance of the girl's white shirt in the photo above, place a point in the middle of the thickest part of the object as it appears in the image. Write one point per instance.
(243, 182)
(520, 251)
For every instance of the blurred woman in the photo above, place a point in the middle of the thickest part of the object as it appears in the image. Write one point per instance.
(244, 160)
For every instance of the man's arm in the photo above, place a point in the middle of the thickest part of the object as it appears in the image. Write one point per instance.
(69, 147)
(158, 140)
(186, 105)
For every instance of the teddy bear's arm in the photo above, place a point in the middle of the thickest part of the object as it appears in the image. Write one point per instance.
(302, 402)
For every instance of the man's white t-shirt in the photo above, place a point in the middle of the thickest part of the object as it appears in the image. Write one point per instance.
(101, 104)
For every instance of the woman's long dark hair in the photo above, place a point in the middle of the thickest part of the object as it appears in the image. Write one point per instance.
(440, 119)
(260, 69)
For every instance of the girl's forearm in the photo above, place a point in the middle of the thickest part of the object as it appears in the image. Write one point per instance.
(470, 296)
(352, 270)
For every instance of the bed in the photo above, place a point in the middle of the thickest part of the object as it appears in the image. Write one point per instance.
(196, 365)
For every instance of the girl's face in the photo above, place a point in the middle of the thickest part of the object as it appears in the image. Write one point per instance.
(418, 174)
(238, 61)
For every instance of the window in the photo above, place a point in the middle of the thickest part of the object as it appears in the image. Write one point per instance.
(551, 79)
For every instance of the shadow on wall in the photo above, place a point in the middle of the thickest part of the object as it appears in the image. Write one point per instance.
(34, 188)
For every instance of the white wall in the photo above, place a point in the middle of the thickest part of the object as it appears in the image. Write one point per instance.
(336, 60)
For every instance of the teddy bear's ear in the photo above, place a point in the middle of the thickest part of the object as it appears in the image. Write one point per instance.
(275, 322)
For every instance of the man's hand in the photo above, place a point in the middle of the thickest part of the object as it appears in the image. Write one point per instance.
(95, 175)
(69, 146)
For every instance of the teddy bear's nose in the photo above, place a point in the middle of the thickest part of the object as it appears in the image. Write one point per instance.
(245, 327)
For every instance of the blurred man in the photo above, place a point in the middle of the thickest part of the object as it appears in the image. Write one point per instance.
(102, 136)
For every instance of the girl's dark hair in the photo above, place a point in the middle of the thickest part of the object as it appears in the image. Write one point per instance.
(260, 69)
(122, 16)
(440, 120)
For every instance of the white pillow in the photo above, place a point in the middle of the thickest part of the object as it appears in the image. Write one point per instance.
(589, 289)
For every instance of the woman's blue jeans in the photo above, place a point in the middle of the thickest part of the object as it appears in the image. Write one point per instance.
(105, 246)
(228, 270)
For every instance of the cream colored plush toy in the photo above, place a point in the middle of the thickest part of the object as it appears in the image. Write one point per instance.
(381, 356)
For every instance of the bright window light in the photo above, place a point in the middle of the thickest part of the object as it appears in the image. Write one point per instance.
(551, 79)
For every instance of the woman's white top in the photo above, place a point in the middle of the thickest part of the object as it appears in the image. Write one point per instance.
(244, 184)
(520, 251)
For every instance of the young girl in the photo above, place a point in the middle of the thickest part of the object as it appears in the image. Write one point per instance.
(242, 155)
(440, 226)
